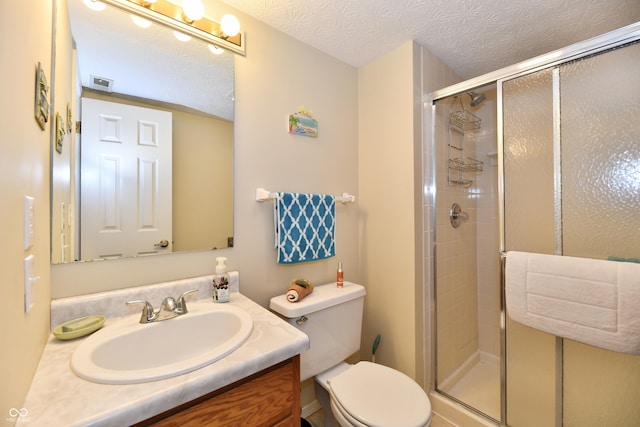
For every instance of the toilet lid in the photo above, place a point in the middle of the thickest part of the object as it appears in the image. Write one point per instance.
(379, 396)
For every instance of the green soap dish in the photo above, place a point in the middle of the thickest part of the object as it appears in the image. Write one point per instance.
(79, 327)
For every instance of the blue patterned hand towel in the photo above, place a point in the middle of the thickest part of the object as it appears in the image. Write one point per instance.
(305, 227)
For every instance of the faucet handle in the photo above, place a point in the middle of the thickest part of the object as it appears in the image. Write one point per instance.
(169, 304)
(148, 313)
(181, 304)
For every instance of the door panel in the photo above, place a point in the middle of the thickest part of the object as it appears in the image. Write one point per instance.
(126, 190)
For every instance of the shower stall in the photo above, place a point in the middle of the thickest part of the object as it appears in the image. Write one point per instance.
(540, 157)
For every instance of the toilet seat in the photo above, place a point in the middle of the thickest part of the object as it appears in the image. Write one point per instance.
(374, 395)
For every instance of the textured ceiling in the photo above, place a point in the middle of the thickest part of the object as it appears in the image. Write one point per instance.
(473, 37)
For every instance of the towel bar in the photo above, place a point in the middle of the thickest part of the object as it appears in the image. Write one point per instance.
(262, 195)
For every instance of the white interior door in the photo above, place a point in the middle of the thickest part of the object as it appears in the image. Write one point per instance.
(125, 180)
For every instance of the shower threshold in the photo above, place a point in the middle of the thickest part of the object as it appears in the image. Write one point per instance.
(477, 384)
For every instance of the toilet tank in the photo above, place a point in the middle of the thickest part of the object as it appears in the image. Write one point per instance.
(332, 319)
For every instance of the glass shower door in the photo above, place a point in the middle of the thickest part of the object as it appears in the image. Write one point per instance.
(572, 187)
(600, 111)
(530, 218)
(467, 263)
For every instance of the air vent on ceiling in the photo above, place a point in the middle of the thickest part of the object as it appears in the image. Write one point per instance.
(100, 83)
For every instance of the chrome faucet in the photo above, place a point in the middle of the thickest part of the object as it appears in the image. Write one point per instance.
(169, 308)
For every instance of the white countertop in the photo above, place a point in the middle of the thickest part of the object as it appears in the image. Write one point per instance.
(57, 397)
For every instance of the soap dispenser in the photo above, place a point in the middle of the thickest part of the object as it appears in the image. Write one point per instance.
(221, 281)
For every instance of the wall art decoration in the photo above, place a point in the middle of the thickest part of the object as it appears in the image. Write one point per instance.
(41, 98)
(69, 119)
(303, 123)
(61, 131)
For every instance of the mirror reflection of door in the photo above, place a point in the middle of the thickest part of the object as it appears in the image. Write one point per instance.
(125, 181)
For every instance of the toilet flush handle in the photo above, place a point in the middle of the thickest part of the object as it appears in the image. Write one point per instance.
(302, 320)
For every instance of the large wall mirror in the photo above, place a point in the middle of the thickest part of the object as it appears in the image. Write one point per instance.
(136, 90)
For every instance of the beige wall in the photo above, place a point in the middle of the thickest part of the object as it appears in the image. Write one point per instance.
(390, 206)
(202, 182)
(277, 77)
(24, 170)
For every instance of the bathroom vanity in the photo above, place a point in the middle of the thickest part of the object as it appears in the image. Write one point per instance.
(257, 384)
(269, 398)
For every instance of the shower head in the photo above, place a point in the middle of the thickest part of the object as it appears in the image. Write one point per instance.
(476, 98)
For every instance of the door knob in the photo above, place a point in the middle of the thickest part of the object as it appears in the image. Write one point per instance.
(162, 244)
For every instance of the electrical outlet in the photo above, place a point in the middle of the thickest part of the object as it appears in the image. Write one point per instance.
(28, 222)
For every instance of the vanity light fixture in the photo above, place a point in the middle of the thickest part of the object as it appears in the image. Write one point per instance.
(192, 10)
(188, 18)
(230, 25)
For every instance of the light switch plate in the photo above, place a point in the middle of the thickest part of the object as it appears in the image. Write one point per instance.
(28, 222)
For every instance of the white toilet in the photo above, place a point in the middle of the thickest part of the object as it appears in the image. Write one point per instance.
(365, 394)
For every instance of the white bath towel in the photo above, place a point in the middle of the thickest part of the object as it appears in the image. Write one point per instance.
(592, 301)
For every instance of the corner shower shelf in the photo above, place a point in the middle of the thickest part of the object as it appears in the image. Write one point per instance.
(464, 119)
(461, 121)
(466, 165)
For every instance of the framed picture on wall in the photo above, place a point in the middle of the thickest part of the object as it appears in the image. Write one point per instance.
(303, 123)
(41, 98)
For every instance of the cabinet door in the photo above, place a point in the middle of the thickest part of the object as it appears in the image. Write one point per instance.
(269, 398)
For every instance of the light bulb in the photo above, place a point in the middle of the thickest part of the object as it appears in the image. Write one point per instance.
(181, 36)
(140, 22)
(193, 9)
(94, 5)
(230, 25)
(215, 49)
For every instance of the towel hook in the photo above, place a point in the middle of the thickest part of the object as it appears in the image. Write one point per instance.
(457, 215)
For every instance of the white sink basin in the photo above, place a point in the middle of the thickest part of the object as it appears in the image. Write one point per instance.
(128, 352)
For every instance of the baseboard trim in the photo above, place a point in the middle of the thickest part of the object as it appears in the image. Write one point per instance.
(310, 409)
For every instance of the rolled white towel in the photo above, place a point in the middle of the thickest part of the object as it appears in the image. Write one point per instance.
(299, 289)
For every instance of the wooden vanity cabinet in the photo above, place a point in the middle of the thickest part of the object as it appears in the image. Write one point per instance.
(270, 397)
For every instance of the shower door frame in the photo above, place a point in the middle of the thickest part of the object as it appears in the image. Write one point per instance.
(576, 51)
